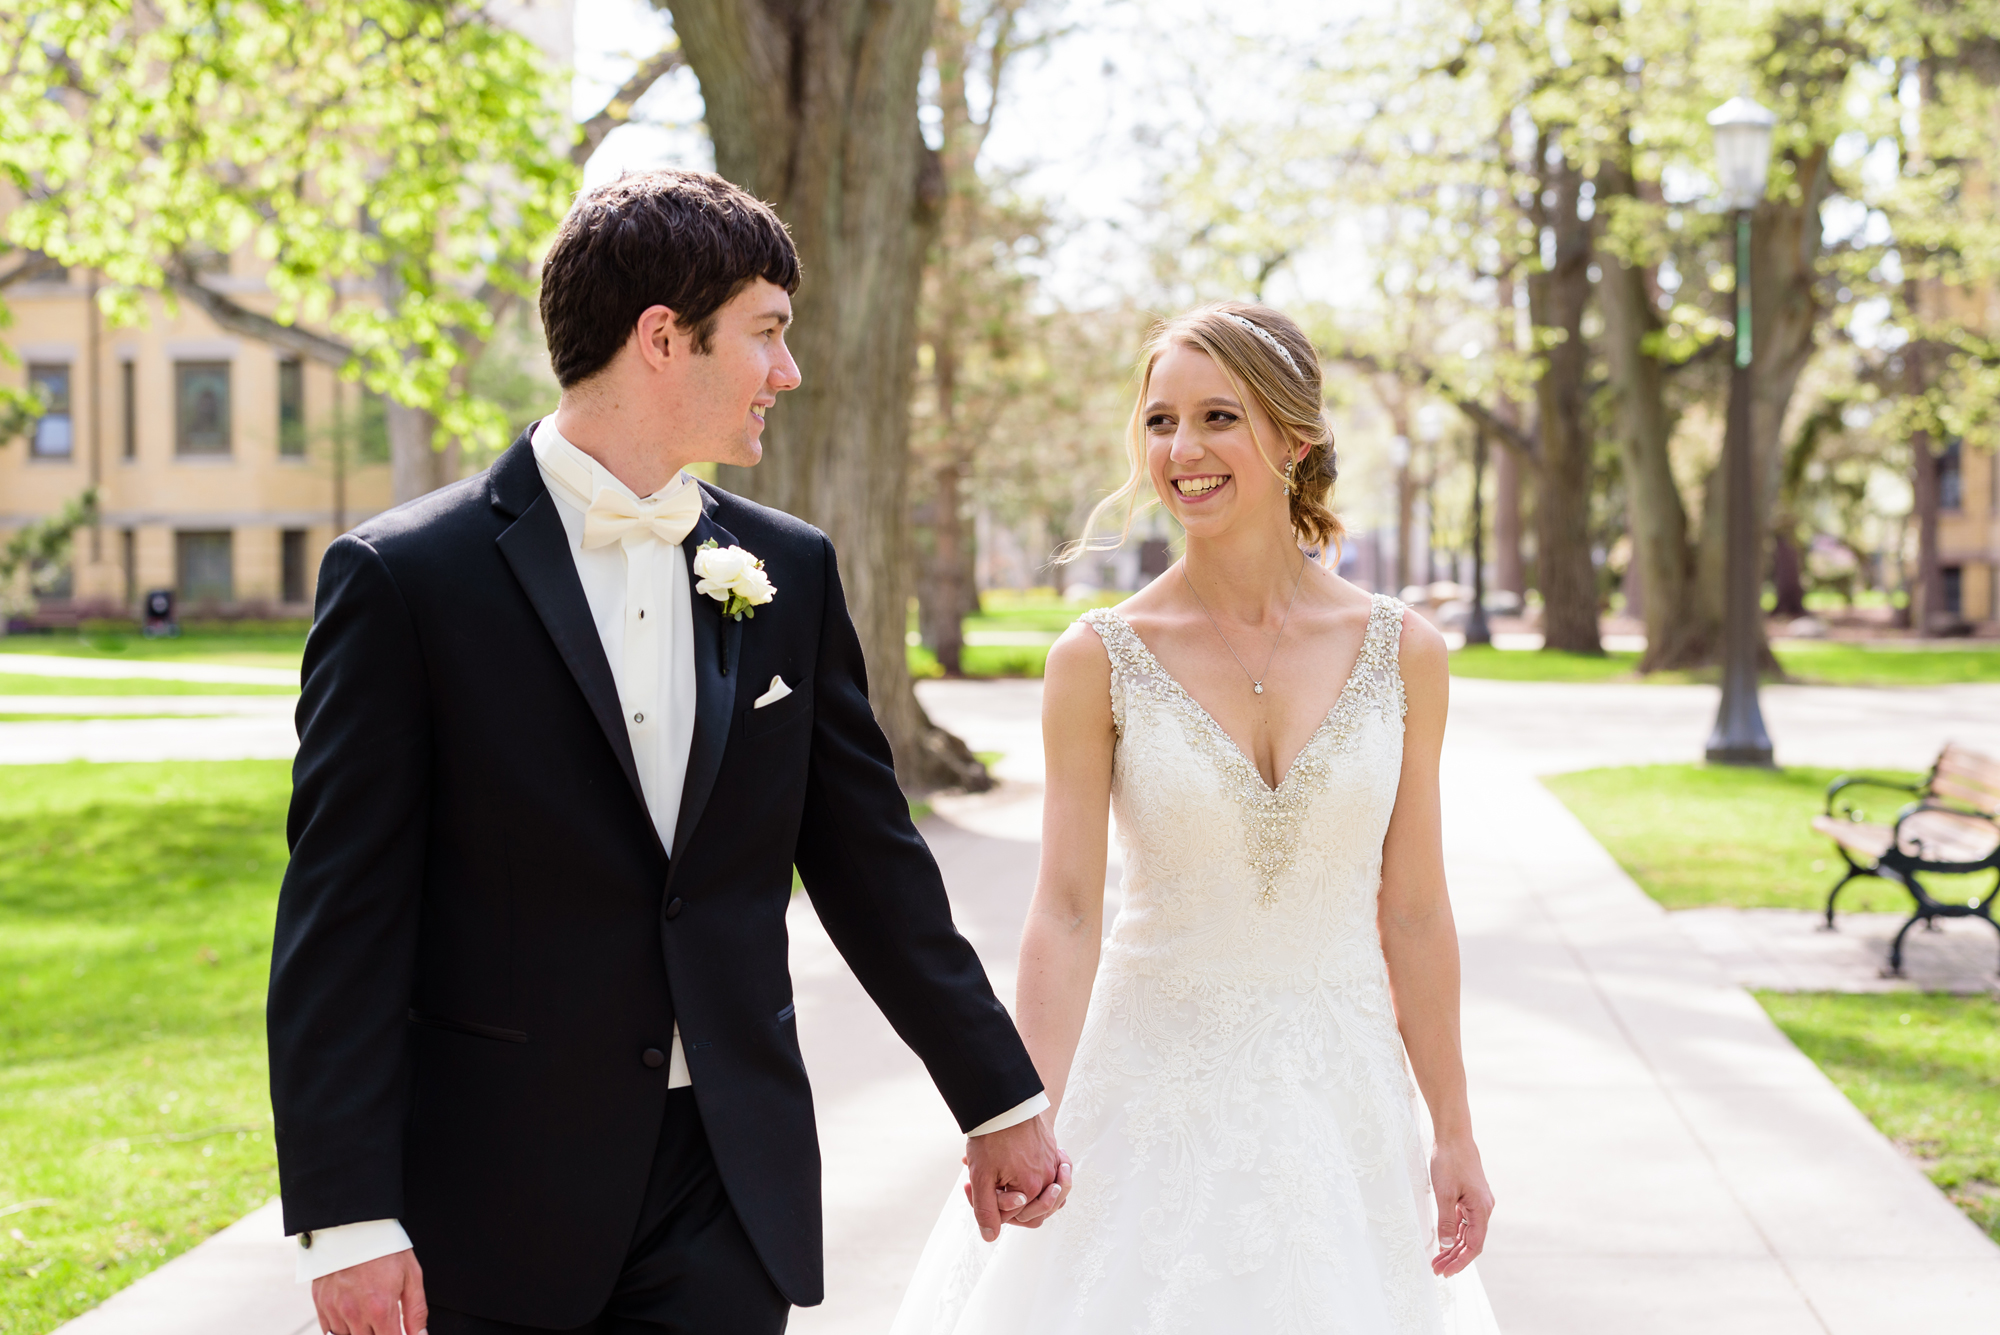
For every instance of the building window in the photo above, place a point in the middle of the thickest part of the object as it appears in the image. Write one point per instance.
(204, 566)
(128, 381)
(201, 408)
(292, 561)
(291, 408)
(1953, 578)
(1951, 477)
(129, 560)
(54, 438)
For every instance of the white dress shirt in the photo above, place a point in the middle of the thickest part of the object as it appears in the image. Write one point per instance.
(642, 604)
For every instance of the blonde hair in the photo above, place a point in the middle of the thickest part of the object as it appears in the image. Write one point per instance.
(1263, 352)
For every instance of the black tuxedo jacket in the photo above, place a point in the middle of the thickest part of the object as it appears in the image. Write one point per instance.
(481, 944)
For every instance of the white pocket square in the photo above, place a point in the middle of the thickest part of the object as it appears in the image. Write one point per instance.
(777, 692)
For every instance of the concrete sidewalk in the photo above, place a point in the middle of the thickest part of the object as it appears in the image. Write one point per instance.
(1665, 1160)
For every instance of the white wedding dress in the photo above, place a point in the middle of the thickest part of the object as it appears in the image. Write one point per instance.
(1249, 1153)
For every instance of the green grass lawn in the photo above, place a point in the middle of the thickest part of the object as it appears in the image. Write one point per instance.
(1036, 611)
(1926, 1071)
(135, 937)
(1483, 660)
(1696, 835)
(1819, 664)
(22, 683)
(80, 718)
(282, 645)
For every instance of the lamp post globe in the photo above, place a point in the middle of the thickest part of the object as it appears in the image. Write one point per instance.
(1742, 149)
(1743, 161)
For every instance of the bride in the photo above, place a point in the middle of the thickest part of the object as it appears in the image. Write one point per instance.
(1231, 1068)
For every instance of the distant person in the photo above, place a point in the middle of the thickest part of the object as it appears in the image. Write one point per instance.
(534, 1060)
(1229, 1067)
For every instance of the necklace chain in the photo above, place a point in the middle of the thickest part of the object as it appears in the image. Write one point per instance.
(1256, 682)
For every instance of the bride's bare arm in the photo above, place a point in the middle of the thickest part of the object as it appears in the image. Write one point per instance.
(1420, 942)
(1059, 944)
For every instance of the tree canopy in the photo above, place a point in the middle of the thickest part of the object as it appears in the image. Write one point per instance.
(394, 166)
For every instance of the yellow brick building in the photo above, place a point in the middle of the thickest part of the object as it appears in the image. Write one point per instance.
(223, 466)
(1969, 532)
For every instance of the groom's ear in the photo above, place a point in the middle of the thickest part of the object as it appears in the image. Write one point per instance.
(655, 336)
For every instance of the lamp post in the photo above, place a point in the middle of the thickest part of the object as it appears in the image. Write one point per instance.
(1743, 158)
(1476, 629)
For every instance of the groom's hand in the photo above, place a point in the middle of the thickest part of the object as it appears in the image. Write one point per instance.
(1018, 1175)
(364, 1299)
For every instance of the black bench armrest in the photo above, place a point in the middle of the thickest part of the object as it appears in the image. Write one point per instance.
(1864, 781)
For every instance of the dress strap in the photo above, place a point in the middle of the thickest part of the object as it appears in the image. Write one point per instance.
(1129, 660)
(1381, 658)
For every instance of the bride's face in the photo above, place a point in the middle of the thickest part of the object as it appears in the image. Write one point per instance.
(1199, 452)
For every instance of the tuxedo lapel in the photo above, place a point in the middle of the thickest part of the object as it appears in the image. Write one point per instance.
(717, 641)
(537, 549)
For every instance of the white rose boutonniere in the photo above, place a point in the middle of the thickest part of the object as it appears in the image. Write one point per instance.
(733, 577)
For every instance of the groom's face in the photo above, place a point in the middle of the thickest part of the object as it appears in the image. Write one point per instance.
(731, 386)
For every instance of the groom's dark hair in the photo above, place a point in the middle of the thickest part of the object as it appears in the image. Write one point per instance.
(689, 241)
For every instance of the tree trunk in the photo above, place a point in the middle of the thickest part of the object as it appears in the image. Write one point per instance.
(1677, 632)
(1508, 571)
(815, 109)
(413, 464)
(1556, 298)
(944, 583)
(1787, 575)
(1928, 615)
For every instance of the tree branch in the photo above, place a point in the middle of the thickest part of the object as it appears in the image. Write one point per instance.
(618, 110)
(241, 320)
(1521, 442)
(28, 270)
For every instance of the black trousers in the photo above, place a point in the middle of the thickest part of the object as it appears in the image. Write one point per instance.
(691, 1270)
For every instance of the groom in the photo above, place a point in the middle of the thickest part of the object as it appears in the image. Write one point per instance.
(534, 1061)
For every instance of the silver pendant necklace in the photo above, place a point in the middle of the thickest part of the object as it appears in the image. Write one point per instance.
(1256, 682)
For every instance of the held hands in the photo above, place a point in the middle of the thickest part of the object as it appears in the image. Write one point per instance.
(1465, 1206)
(363, 1299)
(1019, 1176)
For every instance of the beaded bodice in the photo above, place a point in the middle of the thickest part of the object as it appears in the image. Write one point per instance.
(1217, 860)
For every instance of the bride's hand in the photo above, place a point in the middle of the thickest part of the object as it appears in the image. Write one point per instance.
(1465, 1205)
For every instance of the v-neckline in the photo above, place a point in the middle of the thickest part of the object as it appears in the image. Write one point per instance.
(1235, 747)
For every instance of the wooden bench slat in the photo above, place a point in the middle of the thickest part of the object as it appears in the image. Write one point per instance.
(1970, 764)
(1945, 836)
(1977, 796)
(1872, 840)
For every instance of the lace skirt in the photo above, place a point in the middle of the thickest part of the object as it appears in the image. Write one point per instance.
(1247, 1158)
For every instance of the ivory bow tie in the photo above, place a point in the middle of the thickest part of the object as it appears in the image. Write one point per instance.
(613, 514)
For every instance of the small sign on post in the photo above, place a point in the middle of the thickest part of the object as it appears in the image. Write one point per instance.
(159, 620)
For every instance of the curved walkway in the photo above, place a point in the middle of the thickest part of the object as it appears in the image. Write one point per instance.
(1666, 1161)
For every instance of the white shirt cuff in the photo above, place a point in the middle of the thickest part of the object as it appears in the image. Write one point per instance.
(1014, 1116)
(325, 1250)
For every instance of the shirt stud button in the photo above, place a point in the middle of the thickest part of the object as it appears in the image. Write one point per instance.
(638, 718)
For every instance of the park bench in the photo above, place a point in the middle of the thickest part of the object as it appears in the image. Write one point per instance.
(1949, 828)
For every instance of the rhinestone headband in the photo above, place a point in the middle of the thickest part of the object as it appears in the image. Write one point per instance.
(1261, 332)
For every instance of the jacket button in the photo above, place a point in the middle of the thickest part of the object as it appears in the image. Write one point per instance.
(654, 1058)
(674, 907)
